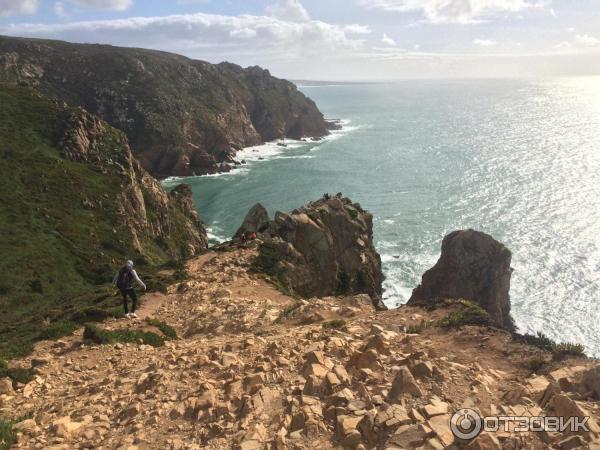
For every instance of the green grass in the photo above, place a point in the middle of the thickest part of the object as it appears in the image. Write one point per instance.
(57, 329)
(467, 313)
(58, 256)
(100, 336)
(267, 263)
(164, 328)
(8, 437)
(558, 349)
(19, 375)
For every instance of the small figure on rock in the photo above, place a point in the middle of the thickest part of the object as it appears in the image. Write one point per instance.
(123, 281)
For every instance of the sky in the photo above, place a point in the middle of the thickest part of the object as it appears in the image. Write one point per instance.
(343, 40)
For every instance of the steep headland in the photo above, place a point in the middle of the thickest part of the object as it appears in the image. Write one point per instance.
(225, 360)
(73, 203)
(276, 343)
(182, 117)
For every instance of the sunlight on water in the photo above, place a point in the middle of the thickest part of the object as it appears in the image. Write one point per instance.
(519, 160)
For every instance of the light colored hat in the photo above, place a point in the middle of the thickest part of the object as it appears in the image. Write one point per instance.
(129, 263)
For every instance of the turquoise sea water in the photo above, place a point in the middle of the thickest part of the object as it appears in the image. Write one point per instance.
(517, 159)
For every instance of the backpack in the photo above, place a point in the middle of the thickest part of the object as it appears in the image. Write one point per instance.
(124, 278)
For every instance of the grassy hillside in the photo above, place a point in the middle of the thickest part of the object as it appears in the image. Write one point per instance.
(61, 233)
(181, 116)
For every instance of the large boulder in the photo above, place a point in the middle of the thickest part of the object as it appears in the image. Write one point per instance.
(257, 220)
(473, 266)
(324, 248)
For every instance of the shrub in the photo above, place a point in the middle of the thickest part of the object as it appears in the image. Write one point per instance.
(336, 324)
(99, 336)
(469, 313)
(7, 435)
(559, 350)
(540, 340)
(535, 363)
(58, 329)
(568, 349)
(268, 259)
(164, 328)
(17, 374)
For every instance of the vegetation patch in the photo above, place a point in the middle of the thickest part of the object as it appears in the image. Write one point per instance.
(268, 262)
(57, 330)
(8, 437)
(17, 374)
(59, 227)
(536, 363)
(100, 336)
(467, 313)
(558, 349)
(164, 328)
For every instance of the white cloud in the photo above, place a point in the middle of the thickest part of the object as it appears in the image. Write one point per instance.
(585, 40)
(484, 43)
(245, 39)
(243, 33)
(13, 7)
(357, 29)
(455, 11)
(564, 45)
(580, 43)
(386, 40)
(59, 9)
(115, 5)
(288, 10)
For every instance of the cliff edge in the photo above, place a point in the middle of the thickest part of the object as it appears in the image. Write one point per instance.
(182, 117)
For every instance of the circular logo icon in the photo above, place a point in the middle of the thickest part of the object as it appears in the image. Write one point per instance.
(466, 424)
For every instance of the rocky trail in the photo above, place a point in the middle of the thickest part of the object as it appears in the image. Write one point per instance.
(253, 368)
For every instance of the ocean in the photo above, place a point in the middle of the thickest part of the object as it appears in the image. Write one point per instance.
(518, 159)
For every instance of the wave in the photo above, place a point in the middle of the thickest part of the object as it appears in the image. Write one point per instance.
(271, 151)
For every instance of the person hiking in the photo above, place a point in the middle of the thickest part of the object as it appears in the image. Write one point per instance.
(123, 280)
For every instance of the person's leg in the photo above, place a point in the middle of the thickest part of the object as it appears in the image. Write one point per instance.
(124, 294)
(133, 296)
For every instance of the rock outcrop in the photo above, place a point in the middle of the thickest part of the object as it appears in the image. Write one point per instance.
(144, 208)
(256, 221)
(254, 369)
(473, 266)
(324, 248)
(182, 117)
(74, 205)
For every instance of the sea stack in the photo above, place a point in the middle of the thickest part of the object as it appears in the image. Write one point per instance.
(472, 266)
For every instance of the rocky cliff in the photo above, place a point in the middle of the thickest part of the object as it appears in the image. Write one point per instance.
(249, 368)
(144, 209)
(182, 117)
(323, 248)
(74, 204)
(472, 266)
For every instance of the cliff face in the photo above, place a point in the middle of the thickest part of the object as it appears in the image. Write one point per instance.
(182, 116)
(74, 204)
(253, 368)
(144, 209)
(324, 248)
(472, 266)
